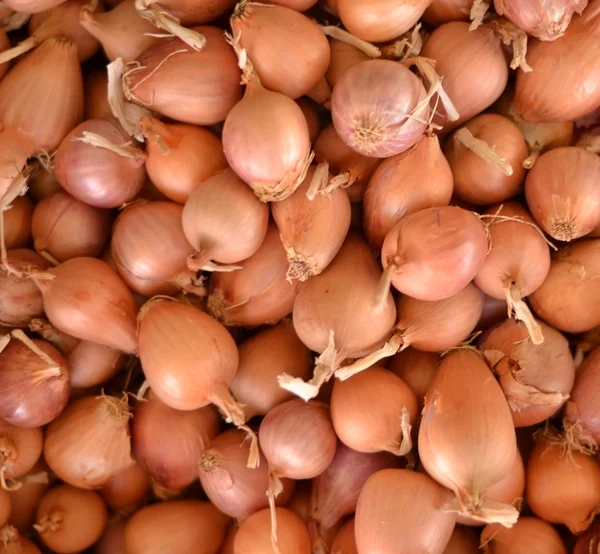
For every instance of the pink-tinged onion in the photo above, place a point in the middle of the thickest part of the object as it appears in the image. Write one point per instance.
(530, 535)
(42, 184)
(112, 540)
(86, 299)
(462, 541)
(180, 156)
(17, 223)
(95, 87)
(126, 490)
(25, 499)
(404, 184)
(343, 57)
(434, 253)
(92, 364)
(403, 512)
(11, 541)
(416, 369)
(345, 541)
(20, 449)
(168, 443)
(444, 11)
(467, 438)
(32, 6)
(494, 311)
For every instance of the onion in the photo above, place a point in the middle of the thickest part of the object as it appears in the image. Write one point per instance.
(263, 357)
(66, 228)
(17, 223)
(89, 443)
(463, 541)
(11, 541)
(92, 364)
(42, 183)
(588, 541)
(5, 506)
(345, 542)
(403, 512)
(70, 520)
(404, 184)
(25, 499)
(530, 535)
(168, 443)
(150, 249)
(444, 11)
(93, 165)
(183, 526)
(224, 222)
(254, 535)
(191, 12)
(190, 86)
(561, 192)
(494, 311)
(42, 95)
(564, 84)
(434, 253)
(311, 114)
(563, 485)
(298, 5)
(536, 380)
(34, 383)
(86, 299)
(416, 369)
(472, 66)
(113, 539)
(180, 156)
(15, 149)
(231, 486)
(20, 300)
(464, 403)
(343, 57)
(378, 108)
(32, 6)
(20, 449)
(95, 86)
(265, 31)
(572, 271)
(126, 490)
(259, 292)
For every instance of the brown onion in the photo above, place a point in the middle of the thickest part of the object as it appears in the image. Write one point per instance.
(126, 490)
(168, 443)
(404, 184)
(224, 222)
(434, 253)
(5, 507)
(444, 11)
(95, 86)
(32, 6)
(530, 535)
(15, 150)
(112, 540)
(312, 229)
(182, 526)
(66, 228)
(17, 223)
(345, 542)
(93, 165)
(190, 86)
(298, 5)
(464, 402)
(561, 192)
(416, 369)
(86, 299)
(563, 485)
(25, 499)
(259, 292)
(494, 311)
(403, 512)
(11, 541)
(180, 156)
(262, 358)
(572, 271)
(311, 114)
(588, 541)
(42, 183)
(564, 84)
(92, 364)
(463, 541)
(343, 57)
(20, 449)
(89, 442)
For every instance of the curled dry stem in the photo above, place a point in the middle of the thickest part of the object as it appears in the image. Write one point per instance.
(287, 186)
(404, 445)
(53, 370)
(274, 490)
(484, 510)
(319, 181)
(191, 284)
(510, 34)
(49, 257)
(478, 12)
(482, 149)
(409, 46)
(98, 141)
(24, 46)
(199, 262)
(344, 36)
(520, 310)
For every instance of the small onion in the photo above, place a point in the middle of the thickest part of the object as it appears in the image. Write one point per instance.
(462, 541)
(311, 114)
(20, 449)
(444, 11)
(25, 499)
(126, 490)
(95, 86)
(11, 542)
(112, 540)
(42, 184)
(92, 364)
(17, 223)
(494, 311)
(70, 520)
(529, 535)
(416, 369)
(89, 442)
(403, 512)
(345, 541)
(343, 57)
(15, 149)
(404, 184)
(5, 507)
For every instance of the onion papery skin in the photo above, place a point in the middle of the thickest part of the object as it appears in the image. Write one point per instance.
(17, 223)
(24, 501)
(529, 535)
(95, 86)
(343, 57)
(89, 442)
(88, 300)
(444, 11)
(536, 379)
(572, 271)
(403, 512)
(127, 490)
(190, 12)
(345, 542)
(565, 82)
(112, 540)
(32, 6)
(472, 65)
(369, 89)
(14, 151)
(20, 449)
(168, 443)
(266, 31)
(13, 542)
(92, 364)
(190, 87)
(463, 541)
(394, 190)
(435, 252)
(96, 175)
(416, 369)
(588, 541)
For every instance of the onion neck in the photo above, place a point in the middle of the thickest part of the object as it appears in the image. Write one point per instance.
(116, 409)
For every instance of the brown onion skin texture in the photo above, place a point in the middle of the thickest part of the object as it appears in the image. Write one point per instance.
(89, 301)
(92, 364)
(5, 506)
(68, 228)
(20, 300)
(190, 12)
(28, 397)
(472, 65)
(588, 540)
(17, 223)
(268, 31)
(15, 150)
(126, 490)
(193, 155)
(311, 114)
(529, 535)
(416, 369)
(572, 271)
(82, 517)
(364, 92)
(549, 470)
(402, 512)
(192, 87)
(343, 57)
(404, 184)
(561, 192)
(43, 184)
(463, 541)
(547, 368)
(257, 294)
(494, 311)
(344, 542)
(444, 11)
(112, 540)
(25, 500)
(95, 86)
(437, 252)
(23, 446)
(263, 357)
(194, 527)
(96, 175)
(565, 82)
(298, 5)
(168, 443)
